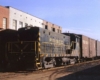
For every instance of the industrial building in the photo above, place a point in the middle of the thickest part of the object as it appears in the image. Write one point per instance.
(11, 18)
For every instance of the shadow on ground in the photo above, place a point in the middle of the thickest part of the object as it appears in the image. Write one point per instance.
(87, 74)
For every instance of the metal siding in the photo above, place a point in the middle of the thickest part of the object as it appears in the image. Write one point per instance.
(54, 41)
(75, 47)
(92, 48)
(84, 46)
(98, 48)
(23, 17)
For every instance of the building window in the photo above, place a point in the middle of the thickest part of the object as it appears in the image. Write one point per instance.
(46, 27)
(58, 30)
(42, 23)
(53, 29)
(4, 23)
(31, 25)
(49, 33)
(20, 24)
(26, 24)
(44, 32)
(15, 24)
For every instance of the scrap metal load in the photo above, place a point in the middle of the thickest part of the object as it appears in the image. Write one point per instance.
(7, 58)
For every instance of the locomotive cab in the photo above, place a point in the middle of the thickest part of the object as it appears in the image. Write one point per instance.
(74, 47)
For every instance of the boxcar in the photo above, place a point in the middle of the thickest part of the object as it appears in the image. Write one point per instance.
(98, 49)
(92, 48)
(84, 47)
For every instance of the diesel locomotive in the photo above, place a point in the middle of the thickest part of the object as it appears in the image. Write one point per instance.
(42, 48)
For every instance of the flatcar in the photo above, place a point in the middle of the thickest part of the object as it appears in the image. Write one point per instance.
(5, 58)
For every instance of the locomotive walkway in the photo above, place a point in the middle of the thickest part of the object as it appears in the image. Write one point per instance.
(81, 71)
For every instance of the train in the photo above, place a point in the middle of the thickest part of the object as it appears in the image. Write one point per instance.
(34, 48)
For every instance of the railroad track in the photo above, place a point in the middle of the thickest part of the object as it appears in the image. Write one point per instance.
(57, 68)
(52, 73)
(74, 68)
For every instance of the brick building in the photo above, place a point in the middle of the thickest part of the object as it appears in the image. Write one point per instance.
(14, 19)
(4, 17)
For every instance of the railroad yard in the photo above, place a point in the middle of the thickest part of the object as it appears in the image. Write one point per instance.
(80, 71)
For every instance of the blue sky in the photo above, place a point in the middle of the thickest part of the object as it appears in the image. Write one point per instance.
(75, 16)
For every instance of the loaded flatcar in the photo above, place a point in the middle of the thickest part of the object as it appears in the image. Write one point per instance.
(5, 58)
(41, 48)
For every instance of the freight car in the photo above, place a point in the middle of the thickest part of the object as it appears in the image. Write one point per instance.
(92, 48)
(5, 58)
(98, 49)
(87, 48)
(84, 47)
(40, 48)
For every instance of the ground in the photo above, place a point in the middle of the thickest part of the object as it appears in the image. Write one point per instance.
(88, 71)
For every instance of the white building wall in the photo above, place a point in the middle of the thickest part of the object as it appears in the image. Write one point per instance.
(23, 17)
